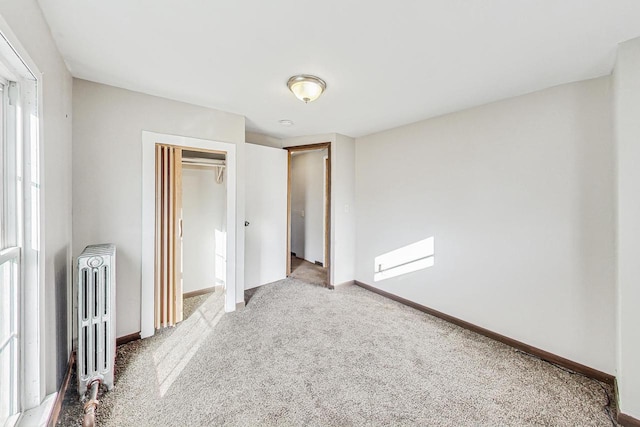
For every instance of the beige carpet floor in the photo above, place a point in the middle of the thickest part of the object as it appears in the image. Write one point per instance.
(300, 354)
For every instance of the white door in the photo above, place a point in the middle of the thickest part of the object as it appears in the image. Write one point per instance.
(266, 215)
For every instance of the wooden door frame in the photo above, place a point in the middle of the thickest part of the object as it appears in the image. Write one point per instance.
(327, 204)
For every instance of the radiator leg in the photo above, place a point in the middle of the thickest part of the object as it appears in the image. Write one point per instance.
(91, 405)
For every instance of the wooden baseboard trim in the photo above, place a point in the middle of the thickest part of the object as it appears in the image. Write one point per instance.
(199, 292)
(628, 421)
(127, 338)
(542, 354)
(57, 406)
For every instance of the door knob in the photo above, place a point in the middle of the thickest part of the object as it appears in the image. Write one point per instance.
(246, 223)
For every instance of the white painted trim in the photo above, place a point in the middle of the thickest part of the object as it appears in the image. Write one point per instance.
(34, 254)
(12, 420)
(9, 254)
(40, 415)
(344, 284)
(149, 140)
(32, 350)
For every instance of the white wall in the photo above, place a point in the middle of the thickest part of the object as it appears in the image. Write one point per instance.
(107, 135)
(27, 23)
(343, 234)
(627, 131)
(342, 231)
(261, 139)
(203, 212)
(519, 197)
(307, 205)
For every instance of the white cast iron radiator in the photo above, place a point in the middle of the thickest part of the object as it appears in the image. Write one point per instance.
(96, 315)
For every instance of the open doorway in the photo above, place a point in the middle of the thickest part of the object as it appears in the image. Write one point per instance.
(204, 227)
(152, 298)
(309, 210)
(190, 222)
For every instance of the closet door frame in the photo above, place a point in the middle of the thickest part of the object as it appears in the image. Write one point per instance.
(234, 287)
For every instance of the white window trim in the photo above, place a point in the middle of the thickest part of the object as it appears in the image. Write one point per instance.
(32, 382)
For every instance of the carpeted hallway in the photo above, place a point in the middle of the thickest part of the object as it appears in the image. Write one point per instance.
(300, 354)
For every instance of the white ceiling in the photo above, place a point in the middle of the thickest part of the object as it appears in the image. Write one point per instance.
(385, 63)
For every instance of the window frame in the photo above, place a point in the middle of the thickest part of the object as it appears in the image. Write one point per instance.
(11, 242)
(16, 66)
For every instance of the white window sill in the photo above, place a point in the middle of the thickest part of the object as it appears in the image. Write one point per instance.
(38, 416)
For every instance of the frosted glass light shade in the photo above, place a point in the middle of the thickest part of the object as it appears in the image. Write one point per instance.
(306, 88)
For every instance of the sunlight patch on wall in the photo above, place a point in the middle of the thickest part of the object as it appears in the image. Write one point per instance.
(407, 259)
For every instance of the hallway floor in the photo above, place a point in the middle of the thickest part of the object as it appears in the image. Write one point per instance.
(308, 272)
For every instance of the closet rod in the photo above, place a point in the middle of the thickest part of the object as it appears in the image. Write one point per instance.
(203, 162)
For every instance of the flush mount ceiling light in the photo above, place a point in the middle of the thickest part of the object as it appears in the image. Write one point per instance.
(306, 88)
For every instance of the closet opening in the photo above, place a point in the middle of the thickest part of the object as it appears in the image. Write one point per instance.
(204, 228)
(309, 213)
(191, 230)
